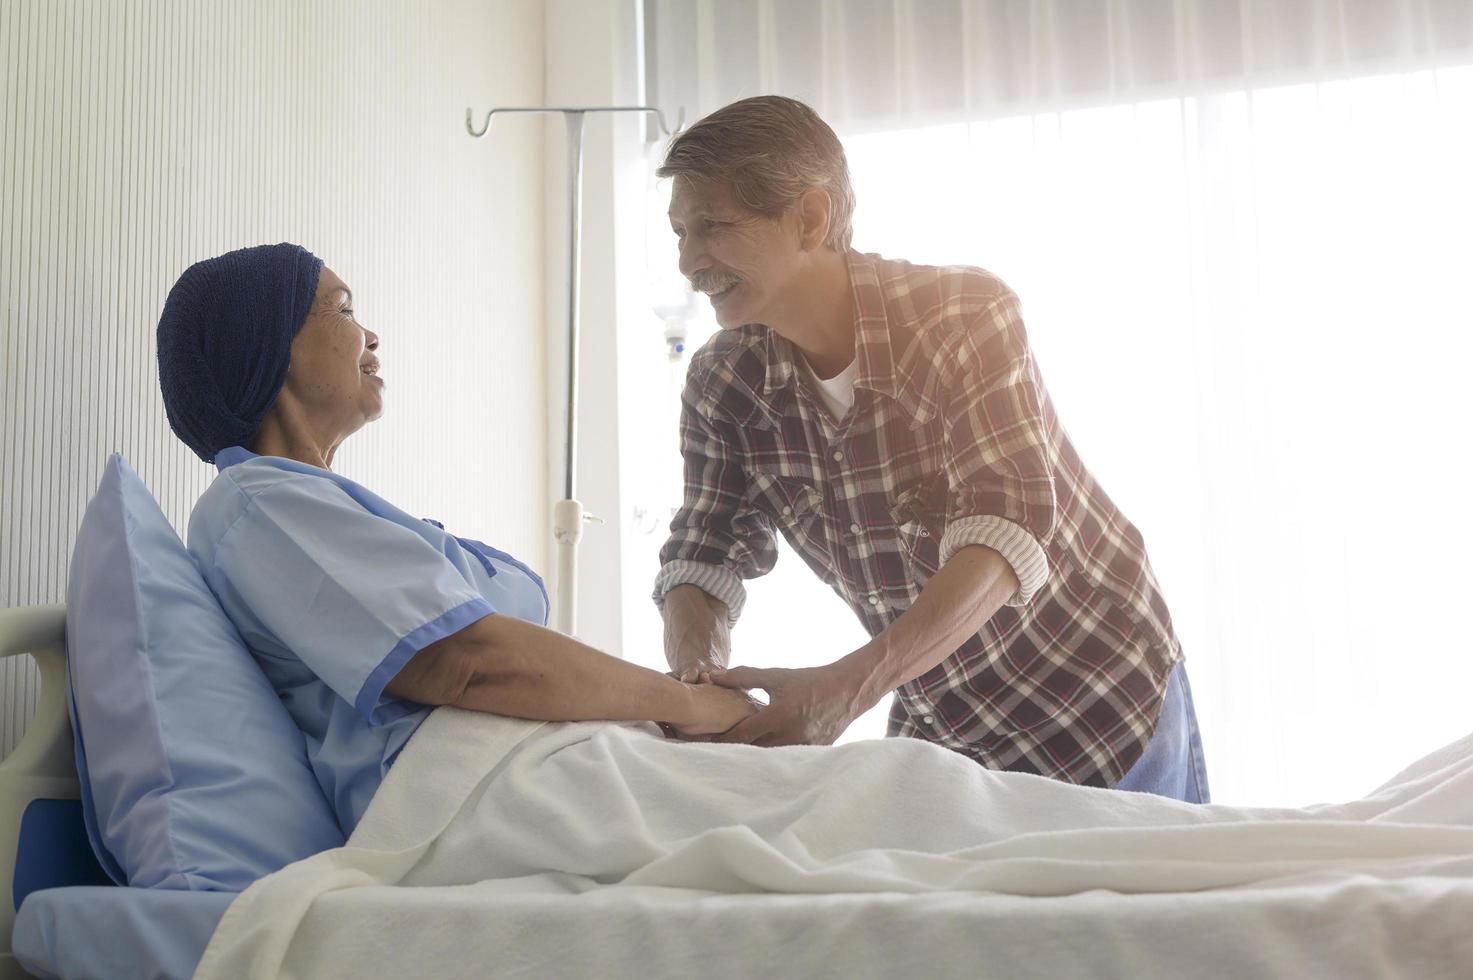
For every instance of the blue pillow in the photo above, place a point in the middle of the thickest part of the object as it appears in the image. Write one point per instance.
(193, 775)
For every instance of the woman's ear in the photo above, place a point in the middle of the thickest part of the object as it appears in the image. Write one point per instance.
(814, 211)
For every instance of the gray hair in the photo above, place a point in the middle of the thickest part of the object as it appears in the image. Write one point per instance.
(771, 149)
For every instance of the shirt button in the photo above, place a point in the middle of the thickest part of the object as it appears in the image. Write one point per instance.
(853, 528)
(874, 600)
(787, 512)
(928, 720)
(838, 456)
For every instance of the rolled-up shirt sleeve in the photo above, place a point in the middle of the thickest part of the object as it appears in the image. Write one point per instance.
(998, 447)
(350, 594)
(717, 538)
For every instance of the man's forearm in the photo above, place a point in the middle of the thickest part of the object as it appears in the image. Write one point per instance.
(695, 628)
(958, 599)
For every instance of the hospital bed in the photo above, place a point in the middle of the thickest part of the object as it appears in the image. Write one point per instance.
(75, 922)
(1377, 918)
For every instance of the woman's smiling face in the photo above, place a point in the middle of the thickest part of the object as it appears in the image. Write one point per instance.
(334, 371)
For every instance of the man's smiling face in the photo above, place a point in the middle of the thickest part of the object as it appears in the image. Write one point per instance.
(741, 259)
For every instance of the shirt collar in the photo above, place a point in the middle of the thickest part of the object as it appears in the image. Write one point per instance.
(782, 368)
(239, 454)
(871, 328)
(873, 348)
(234, 454)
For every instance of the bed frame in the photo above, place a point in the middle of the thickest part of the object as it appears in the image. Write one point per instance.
(43, 842)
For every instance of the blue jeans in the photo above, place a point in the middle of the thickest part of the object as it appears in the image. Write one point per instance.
(1172, 764)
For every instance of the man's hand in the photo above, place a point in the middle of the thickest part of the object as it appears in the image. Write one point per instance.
(807, 706)
(697, 637)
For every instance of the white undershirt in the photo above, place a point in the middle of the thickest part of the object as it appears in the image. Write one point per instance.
(837, 392)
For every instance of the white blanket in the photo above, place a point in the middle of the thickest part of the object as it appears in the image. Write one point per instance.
(498, 847)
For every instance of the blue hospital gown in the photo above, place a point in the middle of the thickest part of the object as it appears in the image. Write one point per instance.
(333, 590)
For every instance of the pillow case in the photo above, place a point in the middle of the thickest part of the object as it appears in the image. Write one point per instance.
(193, 775)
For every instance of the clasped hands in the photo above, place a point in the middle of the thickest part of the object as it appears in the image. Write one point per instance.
(806, 705)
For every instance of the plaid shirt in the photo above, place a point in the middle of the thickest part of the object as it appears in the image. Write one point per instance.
(952, 441)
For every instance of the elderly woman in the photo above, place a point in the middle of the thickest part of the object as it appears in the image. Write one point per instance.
(361, 616)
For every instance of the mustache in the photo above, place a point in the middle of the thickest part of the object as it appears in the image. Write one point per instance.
(713, 281)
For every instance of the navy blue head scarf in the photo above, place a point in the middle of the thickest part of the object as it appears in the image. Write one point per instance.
(225, 341)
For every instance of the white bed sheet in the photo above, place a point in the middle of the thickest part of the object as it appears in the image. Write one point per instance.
(505, 848)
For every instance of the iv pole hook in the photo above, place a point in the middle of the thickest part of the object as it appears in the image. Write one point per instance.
(659, 115)
(568, 515)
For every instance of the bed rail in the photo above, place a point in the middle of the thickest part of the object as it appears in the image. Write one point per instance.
(42, 766)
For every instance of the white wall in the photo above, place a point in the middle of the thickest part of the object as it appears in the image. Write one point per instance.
(139, 137)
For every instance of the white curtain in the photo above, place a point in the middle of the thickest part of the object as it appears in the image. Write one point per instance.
(888, 64)
(1250, 302)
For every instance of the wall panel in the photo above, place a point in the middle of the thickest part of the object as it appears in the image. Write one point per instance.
(141, 136)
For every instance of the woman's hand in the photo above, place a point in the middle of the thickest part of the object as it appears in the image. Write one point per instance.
(713, 711)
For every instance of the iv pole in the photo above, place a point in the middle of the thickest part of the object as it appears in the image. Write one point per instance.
(568, 515)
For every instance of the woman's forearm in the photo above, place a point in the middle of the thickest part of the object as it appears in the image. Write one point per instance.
(507, 666)
(531, 672)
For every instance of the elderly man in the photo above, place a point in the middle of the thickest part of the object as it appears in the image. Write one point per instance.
(891, 421)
